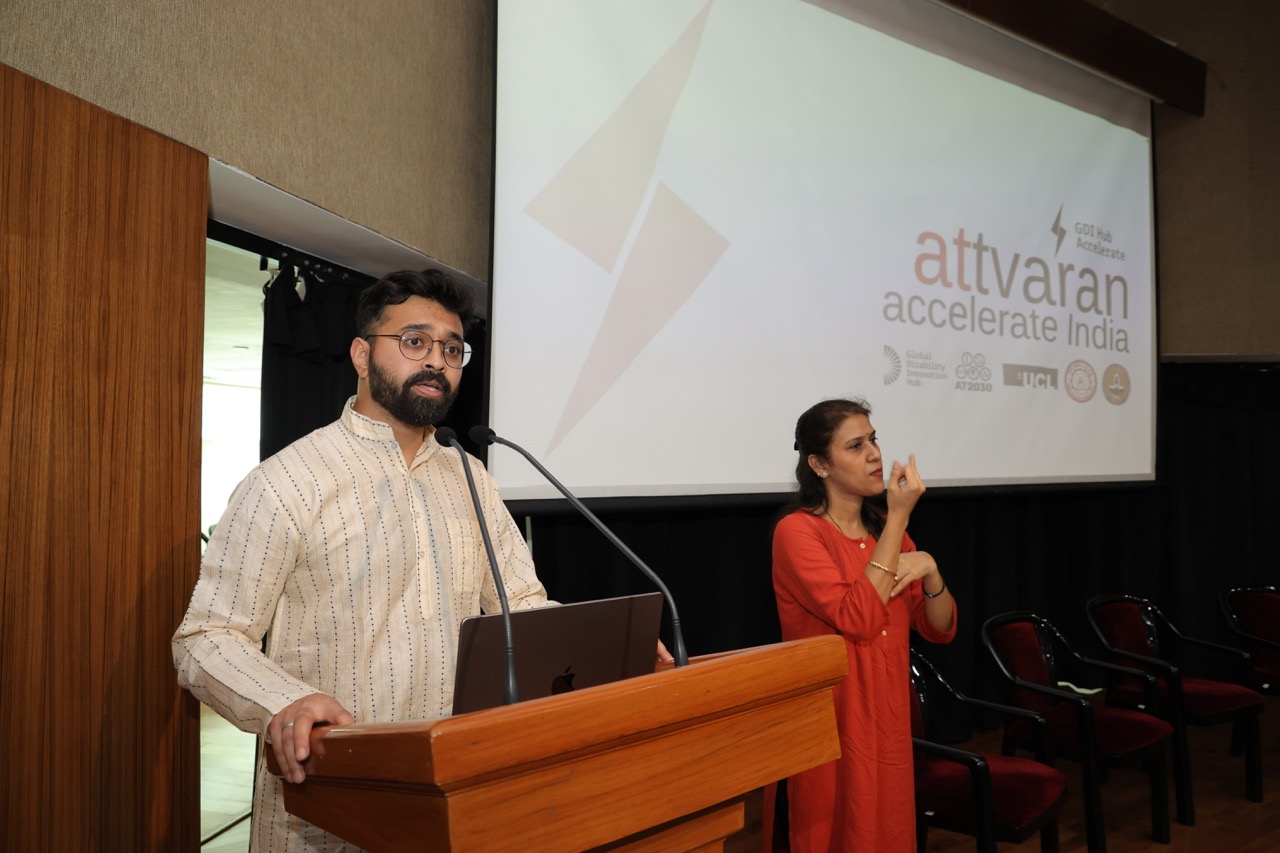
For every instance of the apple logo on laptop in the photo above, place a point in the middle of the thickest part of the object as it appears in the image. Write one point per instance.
(563, 683)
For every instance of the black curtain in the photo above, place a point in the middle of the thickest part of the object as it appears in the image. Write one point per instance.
(1200, 528)
(307, 374)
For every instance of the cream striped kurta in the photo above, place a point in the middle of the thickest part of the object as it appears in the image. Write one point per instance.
(358, 569)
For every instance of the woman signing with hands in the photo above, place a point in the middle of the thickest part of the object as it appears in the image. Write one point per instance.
(844, 564)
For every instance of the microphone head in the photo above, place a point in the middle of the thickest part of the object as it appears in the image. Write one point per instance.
(481, 435)
(446, 436)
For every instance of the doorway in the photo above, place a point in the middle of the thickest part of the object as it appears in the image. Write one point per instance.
(229, 439)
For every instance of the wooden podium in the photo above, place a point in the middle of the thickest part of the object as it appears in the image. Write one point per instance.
(656, 763)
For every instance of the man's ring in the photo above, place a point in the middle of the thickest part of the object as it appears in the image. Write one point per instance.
(288, 725)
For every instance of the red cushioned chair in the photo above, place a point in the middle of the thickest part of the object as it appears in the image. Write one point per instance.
(1253, 614)
(1029, 650)
(1135, 632)
(991, 797)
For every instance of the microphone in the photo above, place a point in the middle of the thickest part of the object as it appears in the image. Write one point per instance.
(510, 695)
(482, 435)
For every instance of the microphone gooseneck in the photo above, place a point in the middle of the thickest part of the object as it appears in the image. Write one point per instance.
(483, 435)
(510, 694)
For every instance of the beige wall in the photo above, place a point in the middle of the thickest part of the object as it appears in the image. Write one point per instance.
(1218, 180)
(379, 111)
(383, 116)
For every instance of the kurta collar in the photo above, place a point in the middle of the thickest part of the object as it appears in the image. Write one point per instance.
(367, 428)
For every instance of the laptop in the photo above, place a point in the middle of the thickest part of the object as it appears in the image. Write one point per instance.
(558, 648)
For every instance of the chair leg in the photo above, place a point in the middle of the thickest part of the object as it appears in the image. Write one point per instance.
(1237, 738)
(1095, 824)
(1252, 757)
(1182, 777)
(1048, 837)
(1157, 768)
(985, 837)
(922, 831)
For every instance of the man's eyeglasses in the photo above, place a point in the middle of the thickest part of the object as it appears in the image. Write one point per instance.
(417, 346)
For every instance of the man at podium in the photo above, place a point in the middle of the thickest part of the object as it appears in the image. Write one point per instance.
(333, 587)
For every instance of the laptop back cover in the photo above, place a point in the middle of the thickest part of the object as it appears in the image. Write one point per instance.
(557, 648)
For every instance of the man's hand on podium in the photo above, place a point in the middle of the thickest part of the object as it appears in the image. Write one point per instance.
(290, 730)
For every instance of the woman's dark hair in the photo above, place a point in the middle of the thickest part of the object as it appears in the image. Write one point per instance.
(814, 431)
(395, 288)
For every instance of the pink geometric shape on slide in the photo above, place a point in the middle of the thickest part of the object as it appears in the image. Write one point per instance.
(593, 200)
(672, 255)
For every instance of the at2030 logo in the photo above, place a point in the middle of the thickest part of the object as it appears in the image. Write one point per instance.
(972, 373)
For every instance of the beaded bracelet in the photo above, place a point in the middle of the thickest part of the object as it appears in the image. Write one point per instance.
(885, 569)
(928, 594)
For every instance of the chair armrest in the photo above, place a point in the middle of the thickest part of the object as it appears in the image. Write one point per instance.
(1037, 721)
(972, 760)
(1005, 710)
(1229, 651)
(1161, 664)
(1117, 668)
(983, 704)
(1062, 695)
(984, 814)
(1254, 638)
(1241, 661)
(1148, 680)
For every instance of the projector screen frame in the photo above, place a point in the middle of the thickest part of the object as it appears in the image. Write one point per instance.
(643, 501)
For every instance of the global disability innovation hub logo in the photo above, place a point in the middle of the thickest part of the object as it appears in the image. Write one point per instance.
(894, 368)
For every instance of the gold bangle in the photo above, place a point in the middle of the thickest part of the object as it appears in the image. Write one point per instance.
(885, 569)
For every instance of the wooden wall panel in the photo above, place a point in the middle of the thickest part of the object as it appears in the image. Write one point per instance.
(101, 320)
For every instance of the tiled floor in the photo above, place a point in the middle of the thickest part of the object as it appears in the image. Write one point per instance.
(226, 784)
(234, 840)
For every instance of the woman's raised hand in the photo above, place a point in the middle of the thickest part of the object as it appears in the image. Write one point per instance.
(905, 486)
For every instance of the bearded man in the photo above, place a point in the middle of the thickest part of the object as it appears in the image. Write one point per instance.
(355, 554)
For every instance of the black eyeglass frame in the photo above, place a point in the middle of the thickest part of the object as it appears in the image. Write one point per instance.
(464, 358)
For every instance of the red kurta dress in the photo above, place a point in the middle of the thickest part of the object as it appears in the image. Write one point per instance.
(864, 800)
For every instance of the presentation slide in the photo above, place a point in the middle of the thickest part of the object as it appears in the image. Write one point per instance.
(710, 215)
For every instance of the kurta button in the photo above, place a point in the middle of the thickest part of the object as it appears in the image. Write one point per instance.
(862, 544)
(884, 633)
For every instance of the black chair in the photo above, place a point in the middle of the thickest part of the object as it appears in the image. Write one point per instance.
(1028, 650)
(1135, 632)
(991, 797)
(1253, 614)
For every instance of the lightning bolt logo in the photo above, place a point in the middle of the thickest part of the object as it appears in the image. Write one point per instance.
(1059, 230)
(597, 200)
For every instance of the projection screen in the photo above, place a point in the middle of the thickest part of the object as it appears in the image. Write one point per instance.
(710, 215)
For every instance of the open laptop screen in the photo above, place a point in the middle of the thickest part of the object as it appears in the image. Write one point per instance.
(557, 648)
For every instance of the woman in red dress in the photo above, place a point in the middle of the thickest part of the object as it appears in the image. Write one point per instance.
(843, 564)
